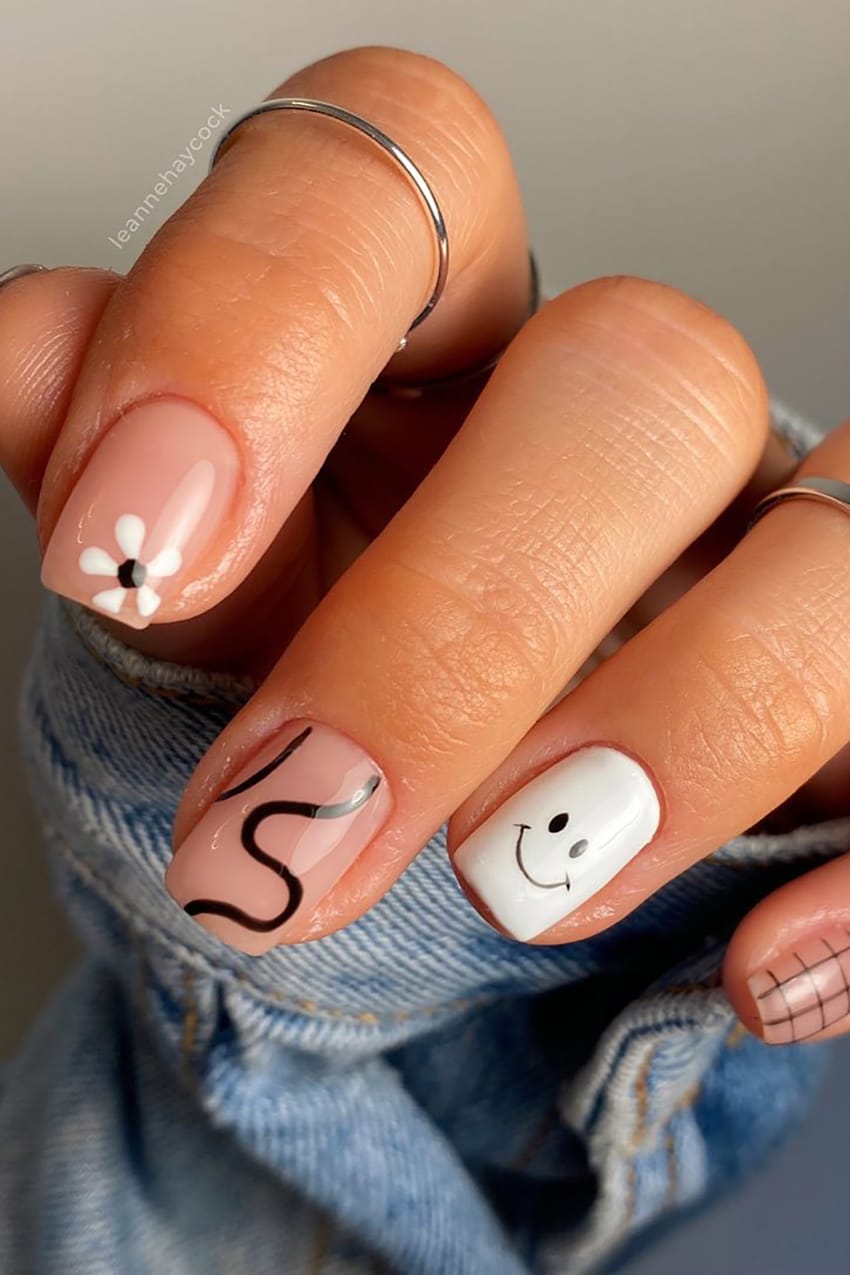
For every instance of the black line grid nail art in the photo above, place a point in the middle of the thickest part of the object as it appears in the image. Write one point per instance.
(805, 991)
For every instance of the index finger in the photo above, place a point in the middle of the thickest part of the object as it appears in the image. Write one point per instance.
(231, 358)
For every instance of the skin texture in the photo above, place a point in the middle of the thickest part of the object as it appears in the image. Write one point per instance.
(464, 553)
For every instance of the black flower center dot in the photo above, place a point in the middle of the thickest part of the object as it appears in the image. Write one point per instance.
(131, 573)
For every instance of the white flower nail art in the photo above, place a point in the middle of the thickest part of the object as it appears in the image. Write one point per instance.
(132, 573)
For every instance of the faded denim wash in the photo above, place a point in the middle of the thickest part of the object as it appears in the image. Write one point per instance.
(415, 1094)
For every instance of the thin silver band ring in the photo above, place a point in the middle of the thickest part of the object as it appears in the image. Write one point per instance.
(399, 388)
(393, 149)
(451, 381)
(828, 491)
(18, 272)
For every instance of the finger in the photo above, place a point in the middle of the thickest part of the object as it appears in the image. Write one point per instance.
(775, 466)
(254, 323)
(787, 969)
(450, 634)
(689, 734)
(46, 322)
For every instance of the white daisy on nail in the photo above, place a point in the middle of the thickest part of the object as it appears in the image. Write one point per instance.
(132, 573)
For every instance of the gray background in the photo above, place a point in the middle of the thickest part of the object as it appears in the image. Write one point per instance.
(703, 144)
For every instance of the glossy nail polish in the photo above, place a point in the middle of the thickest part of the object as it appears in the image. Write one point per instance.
(805, 990)
(280, 837)
(560, 839)
(151, 498)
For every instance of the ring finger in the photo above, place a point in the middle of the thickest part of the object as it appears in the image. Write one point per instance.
(691, 733)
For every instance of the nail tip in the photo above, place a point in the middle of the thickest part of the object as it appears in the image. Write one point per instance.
(53, 584)
(520, 876)
(129, 530)
(320, 790)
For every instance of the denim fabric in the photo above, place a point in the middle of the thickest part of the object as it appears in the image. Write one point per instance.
(414, 1094)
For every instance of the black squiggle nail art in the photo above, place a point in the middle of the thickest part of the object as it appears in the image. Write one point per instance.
(251, 826)
(269, 767)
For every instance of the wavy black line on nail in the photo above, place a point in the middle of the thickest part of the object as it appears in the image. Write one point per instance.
(269, 767)
(250, 828)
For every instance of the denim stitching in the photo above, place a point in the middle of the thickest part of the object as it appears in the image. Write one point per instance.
(175, 694)
(672, 1164)
(686, 1102)
(642, 1099)
(737, 1035)
(681, 1022)
(631, 1193)
(321, 1245)
(112, 654)
(189, 1035)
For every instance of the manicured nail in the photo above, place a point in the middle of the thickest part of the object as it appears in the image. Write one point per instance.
(280, 837)
(805, 990)
(560, 839)
(153, 495)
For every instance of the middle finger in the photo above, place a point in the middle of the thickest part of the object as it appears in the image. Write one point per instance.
(617, 426)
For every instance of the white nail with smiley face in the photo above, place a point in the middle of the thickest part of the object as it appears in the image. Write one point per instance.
(560, 839)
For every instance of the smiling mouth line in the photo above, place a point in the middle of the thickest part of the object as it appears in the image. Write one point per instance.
(541, 885)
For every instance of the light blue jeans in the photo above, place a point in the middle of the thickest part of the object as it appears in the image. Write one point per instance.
(414, 1094)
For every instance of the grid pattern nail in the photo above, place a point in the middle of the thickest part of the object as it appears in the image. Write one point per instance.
(806, 990)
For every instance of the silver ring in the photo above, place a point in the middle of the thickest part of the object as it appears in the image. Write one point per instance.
(828, 491)
(18, 272)
(395, 152)
(399, 388)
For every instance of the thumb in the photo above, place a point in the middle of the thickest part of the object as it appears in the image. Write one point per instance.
(47, 320)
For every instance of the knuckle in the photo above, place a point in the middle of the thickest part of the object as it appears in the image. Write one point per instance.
(765, 701)
(283, 329)
(467, 649)
(679, 360)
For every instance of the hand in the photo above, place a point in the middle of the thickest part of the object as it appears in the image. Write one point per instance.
(417, 590)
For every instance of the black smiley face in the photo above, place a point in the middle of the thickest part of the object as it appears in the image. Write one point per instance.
(558, 823)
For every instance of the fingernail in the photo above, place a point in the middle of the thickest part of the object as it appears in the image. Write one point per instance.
(280, 837)
(151, 498)
(804, 991)
(560, 839)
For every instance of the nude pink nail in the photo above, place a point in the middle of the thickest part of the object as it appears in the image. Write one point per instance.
(279, 838)
(150, 500)
(804, 991)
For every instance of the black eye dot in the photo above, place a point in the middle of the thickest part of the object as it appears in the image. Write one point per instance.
(579, 848)
(558, 822)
